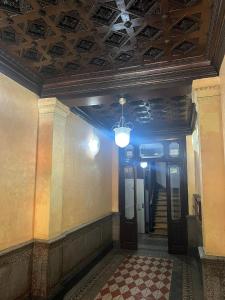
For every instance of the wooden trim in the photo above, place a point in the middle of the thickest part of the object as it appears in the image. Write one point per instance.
(157, 75)
(49, 259)
(180, 71)
(146, 135)
(216, 40)
(16, 261)
(86, 117)
(11, 68)
(193, 118)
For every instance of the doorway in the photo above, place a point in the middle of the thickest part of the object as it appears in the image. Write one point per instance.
(153, 194)
(151, 204)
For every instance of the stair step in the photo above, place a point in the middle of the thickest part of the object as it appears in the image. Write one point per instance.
(161, 201)
(160, 226)
(159, 219)
(161, 214)
(160, 204)
(159, 195)
(161, 209)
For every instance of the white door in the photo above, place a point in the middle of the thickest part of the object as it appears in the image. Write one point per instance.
(140, 205)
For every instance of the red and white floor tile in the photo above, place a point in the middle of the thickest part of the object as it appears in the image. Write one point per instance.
(139, 278)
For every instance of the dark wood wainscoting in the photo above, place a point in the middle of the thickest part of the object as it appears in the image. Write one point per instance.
(43, 269)
(15, 272)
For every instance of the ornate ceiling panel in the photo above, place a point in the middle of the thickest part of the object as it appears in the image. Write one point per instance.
(158, 114)
(56, 37)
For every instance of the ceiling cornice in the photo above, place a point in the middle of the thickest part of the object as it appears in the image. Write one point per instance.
(14, 70)
(216, 41)
(184, 70)
(163, 73)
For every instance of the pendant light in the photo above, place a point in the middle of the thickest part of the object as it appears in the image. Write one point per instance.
(122, 129)
(143, 164)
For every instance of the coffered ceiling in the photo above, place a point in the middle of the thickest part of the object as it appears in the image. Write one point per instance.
(146, 116)
(89, 52)
(55, 37)
(167, 110)
(41, 40)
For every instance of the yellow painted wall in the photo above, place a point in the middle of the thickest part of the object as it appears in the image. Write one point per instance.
(50, 168)
(207, 94)
(213, 194)
(18, 136)
(222, 83)
(190, 172)
(87, 179)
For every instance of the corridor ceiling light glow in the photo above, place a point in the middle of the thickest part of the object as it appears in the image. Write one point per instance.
(143, 164)
(94, 145)
(122, 129)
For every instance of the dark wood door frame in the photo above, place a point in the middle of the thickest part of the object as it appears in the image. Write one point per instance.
(177, 229)
(128, 228)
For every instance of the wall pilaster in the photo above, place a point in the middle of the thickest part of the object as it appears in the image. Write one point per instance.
(207, 96)
(206, 93)
(50, 168)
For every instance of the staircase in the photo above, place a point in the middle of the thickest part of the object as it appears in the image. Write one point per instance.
(160, 213)
(176, 205)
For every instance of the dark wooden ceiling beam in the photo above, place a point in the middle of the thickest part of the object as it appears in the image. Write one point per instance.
(131, 94)
(216, 36)
(183, 71)
(146, 134)
(122, 79)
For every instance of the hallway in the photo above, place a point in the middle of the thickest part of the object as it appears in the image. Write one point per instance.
(112, 149)
(149, 273)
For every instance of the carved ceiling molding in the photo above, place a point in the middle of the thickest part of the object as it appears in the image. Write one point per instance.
(13, 69)
(164, 111)
(206, 89)
(169, 131)
(167, 73)
(216, 41)
(41, 35)
(86, 48)
(55, 37)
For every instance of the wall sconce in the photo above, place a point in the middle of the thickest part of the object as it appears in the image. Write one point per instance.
(94, 145)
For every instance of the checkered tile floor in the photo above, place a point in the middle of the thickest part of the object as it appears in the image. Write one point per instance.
(139, 278)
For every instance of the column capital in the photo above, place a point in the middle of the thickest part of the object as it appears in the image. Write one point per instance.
(206, 87)
(52, 105)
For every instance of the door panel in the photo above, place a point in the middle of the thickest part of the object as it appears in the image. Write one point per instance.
(176, 195)
(140, 205)
(128, 214)
(129, 198)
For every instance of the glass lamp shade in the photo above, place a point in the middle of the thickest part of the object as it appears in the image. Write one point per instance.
(122, 136)
(143, 164)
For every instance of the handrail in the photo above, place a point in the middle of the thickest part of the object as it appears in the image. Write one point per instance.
(197, 206)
